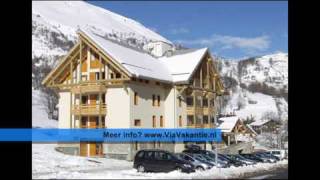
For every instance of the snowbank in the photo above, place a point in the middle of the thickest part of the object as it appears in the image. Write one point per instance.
(47, 163)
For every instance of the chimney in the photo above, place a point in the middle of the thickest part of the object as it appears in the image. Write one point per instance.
(158, 48)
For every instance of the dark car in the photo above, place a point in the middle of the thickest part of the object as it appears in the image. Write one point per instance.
(197, 162)
(160, 161)
(244, 160)
(209, 156)
(232, 162)
(268, 155)
(252, 157)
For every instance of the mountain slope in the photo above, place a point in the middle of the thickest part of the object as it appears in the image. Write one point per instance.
(258, 86)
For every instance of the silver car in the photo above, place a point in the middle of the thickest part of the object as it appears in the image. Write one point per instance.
(200, 165)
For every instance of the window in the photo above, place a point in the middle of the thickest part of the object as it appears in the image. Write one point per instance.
(135, 98)
(84, 100)
(118, 75)
(149, 155)
(161, 121)
(103, 75)
(146, 81)
(137, 122)
(153, 100)
(133, 79)
(83, 123)
(111, 76)
(205, 120)
(97, 76)
(180, 101)
(140, 80)
(212, 119)
(103, 122)
(205, 102)
(157, 83)
(158, 100)
(212, 102)
(189, 101)
(136, 145)
(190, 119)
(141, 154)
(154, 121)
(180, 121)
(103, 97)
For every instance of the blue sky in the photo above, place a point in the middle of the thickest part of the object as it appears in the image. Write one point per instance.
(229, 29)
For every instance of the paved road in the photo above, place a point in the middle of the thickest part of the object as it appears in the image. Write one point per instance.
(276, 174)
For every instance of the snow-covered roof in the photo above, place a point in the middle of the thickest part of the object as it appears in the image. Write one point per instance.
(176, 68)
(259, 123)
(182, 66)
(136, 62)
(228, 123)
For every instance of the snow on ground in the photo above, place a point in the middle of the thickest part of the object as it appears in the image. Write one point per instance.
(39, 115)
(48, 163)
(263, 104)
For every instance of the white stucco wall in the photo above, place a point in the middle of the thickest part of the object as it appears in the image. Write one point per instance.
(144, 110)
(64, 110)
(118, 108)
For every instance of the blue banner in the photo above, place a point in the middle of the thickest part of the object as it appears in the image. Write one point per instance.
(112, 135)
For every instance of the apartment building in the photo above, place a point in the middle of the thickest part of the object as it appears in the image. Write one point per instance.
(104, 83)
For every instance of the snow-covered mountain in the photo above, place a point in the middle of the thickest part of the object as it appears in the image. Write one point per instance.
(259, 84)
(54, 26)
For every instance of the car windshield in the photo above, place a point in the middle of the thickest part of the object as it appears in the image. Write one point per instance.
(199, 157)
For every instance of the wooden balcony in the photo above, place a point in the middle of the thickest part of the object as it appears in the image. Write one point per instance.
(89, 109)
(200, 110)
(88, 87)
(200, 126)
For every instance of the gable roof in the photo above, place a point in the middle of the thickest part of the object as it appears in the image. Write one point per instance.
(174, 69)
(259, 123)
(182, 66)
(228, 123)
(138, 63)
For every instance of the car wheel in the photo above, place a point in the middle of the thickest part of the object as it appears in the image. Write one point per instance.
(178, 169)
(199, 168)
(141, 168)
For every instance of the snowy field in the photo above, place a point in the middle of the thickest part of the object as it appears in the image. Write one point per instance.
(48, 163)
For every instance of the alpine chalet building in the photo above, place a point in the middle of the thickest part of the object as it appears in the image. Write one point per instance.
(103, 83)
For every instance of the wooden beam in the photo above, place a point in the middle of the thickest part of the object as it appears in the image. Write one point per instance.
(105, 56)
(80, 60)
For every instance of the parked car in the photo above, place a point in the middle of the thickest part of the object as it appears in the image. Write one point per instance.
(279, 153)
(268, 156)
(265, 158)
(244, 160)
(252, 157)
(209, 156)
(201, 158)
(160, 161)
(198, 163)
(232, 162)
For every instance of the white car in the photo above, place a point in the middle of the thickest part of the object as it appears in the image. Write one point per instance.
(281, 154)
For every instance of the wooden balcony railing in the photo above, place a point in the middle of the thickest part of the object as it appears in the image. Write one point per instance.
(200, 110)
(88, 87)
(200, 126)
(89, 109)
